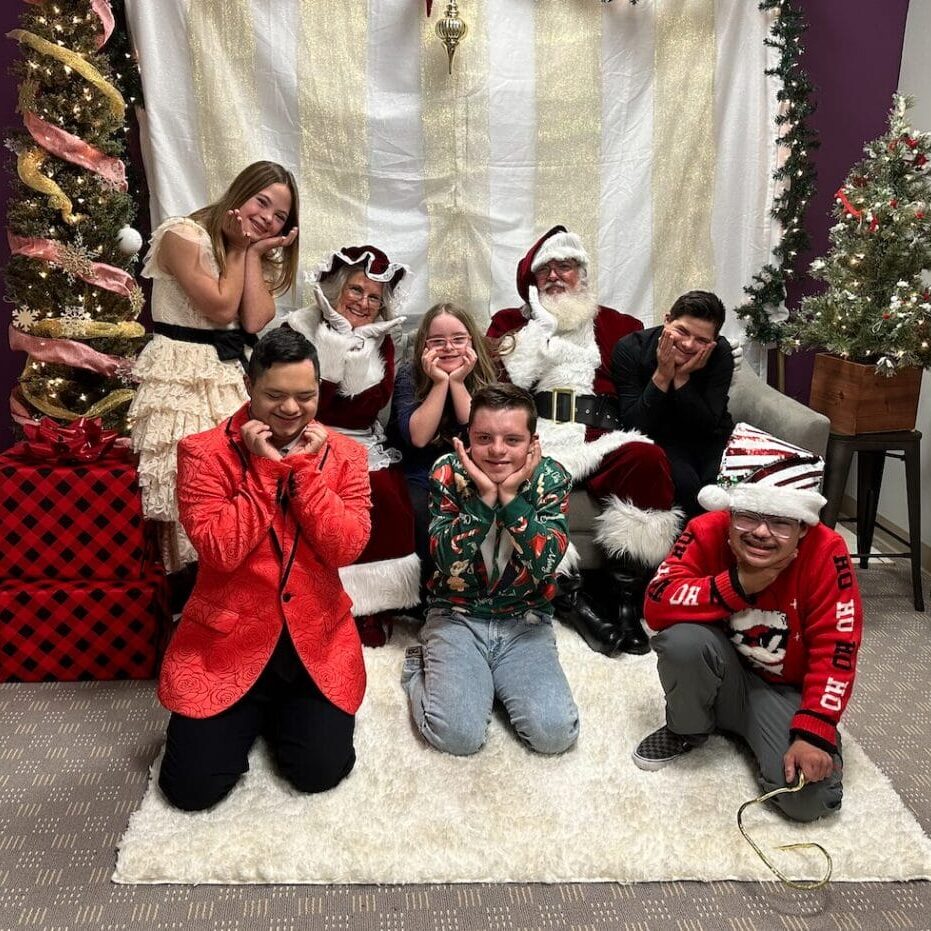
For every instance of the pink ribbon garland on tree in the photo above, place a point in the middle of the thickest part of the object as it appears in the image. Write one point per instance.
(104, 13)
(75, 150)
(102, 275)
(67, 352)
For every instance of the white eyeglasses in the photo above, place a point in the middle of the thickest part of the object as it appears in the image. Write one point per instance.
(441, 342)
(780, 527)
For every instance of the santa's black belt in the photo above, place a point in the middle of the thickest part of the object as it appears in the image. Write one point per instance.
(229, 344)
(565, 406)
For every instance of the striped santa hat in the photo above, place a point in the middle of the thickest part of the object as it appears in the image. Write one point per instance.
(761, 473)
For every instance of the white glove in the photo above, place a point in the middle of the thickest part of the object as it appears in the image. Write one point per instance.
(335, 320)
(737, 353)
(543, 317)
(378, 329)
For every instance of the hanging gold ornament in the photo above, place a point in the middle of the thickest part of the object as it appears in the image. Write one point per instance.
(451, 30)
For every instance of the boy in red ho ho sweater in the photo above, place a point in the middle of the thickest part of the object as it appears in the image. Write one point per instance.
(757, 621)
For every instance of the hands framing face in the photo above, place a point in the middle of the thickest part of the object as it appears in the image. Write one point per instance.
(506, 488)
(310, 441)
(666, 356)
(509, 487)
(696, 361)
(434, 370)
(466, 364)
(239, 237)
(257, 437)
(674, 362)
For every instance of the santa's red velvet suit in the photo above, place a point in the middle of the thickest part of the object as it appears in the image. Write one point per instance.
(356, 382)
(568, 372)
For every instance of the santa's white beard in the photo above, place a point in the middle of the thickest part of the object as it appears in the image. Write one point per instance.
(572, 309)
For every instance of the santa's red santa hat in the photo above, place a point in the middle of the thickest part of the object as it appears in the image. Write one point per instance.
(557, 245)
(762, 473)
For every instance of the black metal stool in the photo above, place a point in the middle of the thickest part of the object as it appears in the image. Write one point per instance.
(871, 450)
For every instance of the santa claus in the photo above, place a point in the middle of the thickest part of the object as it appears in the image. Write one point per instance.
(558, 346)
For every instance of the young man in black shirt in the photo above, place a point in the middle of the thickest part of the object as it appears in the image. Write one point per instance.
(672, 383)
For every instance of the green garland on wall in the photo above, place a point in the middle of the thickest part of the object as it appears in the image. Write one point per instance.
(796, 175)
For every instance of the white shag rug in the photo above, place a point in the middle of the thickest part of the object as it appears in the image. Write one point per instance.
(409, 814)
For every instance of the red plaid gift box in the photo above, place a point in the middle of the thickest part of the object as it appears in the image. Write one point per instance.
(69, 631)
(70, 522)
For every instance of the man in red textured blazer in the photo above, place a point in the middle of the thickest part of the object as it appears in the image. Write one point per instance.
(274, 505)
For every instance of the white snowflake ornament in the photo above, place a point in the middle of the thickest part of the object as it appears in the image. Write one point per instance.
(24, 319)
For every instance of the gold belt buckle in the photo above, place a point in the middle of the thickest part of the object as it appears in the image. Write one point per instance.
(569, 395)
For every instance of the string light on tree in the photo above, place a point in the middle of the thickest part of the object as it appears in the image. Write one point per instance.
(70, 75)
(762, 312)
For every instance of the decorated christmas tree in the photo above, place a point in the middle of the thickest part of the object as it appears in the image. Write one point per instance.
(75, 300)
(877, 306)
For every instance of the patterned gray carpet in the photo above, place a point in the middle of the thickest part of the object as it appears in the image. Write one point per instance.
(74, 760)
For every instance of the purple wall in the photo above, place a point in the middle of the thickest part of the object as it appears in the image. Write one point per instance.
(853, 50)
(852, 55)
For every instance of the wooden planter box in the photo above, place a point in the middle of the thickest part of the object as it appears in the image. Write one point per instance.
(857, 400)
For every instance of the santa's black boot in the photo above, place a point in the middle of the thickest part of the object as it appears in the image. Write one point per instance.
(628, 584)
(577, 607)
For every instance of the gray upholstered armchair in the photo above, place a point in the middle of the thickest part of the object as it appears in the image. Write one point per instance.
(751, 401)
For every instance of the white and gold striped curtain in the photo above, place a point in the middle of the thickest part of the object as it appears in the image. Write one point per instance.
(648, 129)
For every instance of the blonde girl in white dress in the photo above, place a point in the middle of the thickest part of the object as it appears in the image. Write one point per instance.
(216, 274)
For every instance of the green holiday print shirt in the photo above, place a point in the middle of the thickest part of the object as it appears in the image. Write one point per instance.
(497, 562)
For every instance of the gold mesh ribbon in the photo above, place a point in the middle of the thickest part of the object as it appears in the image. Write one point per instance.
(794, 883)
(58, 327)
(454, 114)
(28, 91)
(331, 82)
(104, 406)
(683, 149)
(568, 105)
(76, 62)
(29, 169)
(221, 38)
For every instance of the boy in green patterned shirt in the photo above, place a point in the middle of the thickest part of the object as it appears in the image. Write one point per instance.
(498, 532)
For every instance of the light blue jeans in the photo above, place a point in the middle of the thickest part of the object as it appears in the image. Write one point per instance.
(464, 662)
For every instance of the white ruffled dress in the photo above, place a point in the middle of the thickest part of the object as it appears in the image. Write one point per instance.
(184, 388)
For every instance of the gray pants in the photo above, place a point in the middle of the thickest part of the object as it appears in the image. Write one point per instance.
(708, 688)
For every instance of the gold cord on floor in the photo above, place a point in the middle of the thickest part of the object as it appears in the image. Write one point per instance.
(794, 883)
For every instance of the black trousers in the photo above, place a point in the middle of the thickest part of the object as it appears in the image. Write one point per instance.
(420, 501)
(693, 467)
(309, 737)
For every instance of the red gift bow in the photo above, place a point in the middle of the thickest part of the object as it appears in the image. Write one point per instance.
(83, 440)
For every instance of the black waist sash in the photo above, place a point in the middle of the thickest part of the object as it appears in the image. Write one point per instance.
(229, 344)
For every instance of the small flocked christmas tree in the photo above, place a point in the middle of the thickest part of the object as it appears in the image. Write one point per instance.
(877, 305)
(69, 281)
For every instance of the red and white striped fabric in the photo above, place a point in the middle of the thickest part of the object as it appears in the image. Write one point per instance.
(762, 473)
